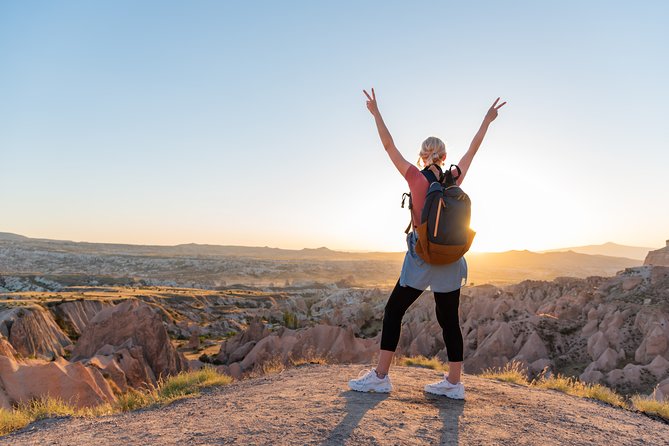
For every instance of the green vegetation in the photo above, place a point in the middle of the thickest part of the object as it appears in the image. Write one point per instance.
(183, 385)
(290, 320)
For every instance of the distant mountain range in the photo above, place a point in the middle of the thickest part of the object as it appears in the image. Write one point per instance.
(193, 249)
(210, 264)
(609, 249)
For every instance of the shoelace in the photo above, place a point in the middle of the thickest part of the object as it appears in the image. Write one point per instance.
(365, 375)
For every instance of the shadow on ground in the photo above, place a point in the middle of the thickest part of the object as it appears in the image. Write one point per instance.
(450, 412)
(357, 404)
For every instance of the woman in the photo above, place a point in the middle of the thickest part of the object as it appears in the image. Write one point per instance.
(444, 280)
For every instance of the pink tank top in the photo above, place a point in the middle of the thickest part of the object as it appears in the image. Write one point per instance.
(418, 186)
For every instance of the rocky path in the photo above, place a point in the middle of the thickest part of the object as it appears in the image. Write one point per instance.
(311, 405)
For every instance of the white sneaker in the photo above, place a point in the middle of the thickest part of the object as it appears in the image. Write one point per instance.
(445, 388)
(367, 381)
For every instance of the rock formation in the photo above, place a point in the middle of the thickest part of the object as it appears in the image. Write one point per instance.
(74, 316)
(612, 330)
(133, 335)
(74, 383)
(659, 257)
(257, 345)
(33, 332)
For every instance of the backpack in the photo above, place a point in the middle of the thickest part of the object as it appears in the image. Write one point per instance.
(444, 234)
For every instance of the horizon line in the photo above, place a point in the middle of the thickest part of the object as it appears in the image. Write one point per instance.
(568, 248)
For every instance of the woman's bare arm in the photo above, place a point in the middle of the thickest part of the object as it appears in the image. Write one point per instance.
(466, 160)
(395, 156)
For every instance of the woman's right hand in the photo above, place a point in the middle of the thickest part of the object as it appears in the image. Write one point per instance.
(371, 103)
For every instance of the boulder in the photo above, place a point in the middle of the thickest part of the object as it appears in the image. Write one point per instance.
(134, 333)
(539, 365)
(591, 376)
(6, 348)
(589, 328)
(659, 274)
(242, 351)
(661, 392)
(72, 382)
(632, 374)
(615, 377)
(494, 351)
(193, 341)
(533, 349)
(597, 344)
(235, 370)
(337, 344)
(631, 282)
(254, 333)
(607, 360)
(659, 367)
(655, 343)
(74, 316)
(33, 332)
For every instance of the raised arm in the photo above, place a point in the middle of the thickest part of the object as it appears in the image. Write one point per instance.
(466, 160)
(395, 156)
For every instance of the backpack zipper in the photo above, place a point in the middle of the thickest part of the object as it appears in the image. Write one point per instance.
(436, 223)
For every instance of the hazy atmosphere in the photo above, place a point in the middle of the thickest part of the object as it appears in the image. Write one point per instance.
(201, 237)
(245, 123)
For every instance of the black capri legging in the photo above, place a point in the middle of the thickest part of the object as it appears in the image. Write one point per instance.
(447, 315)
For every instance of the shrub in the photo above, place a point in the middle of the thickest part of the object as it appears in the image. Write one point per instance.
(290, 320)
(189, 383)
(513, 372)
(11, 420)
(575, 387)
(649, 405)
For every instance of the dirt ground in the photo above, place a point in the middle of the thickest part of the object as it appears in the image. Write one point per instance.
(311, 405)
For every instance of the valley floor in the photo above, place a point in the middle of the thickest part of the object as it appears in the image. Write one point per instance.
(311, 405)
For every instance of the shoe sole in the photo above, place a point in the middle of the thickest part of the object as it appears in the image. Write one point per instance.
(370, 390)
(456, 396)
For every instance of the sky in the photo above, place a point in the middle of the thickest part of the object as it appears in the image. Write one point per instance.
(244, 123)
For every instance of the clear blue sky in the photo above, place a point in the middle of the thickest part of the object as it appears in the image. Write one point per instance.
(244, 122)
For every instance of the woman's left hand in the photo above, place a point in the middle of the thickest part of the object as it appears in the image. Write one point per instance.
(492, 112)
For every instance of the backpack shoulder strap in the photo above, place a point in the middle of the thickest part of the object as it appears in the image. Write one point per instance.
(449, 178)
(404, 196)
(430, 176)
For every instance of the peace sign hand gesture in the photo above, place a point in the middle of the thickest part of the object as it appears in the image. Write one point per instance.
(492, 112)
(371, 103)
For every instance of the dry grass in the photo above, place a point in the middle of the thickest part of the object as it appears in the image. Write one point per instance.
(515, 372)
(512, 372)
(575, 387)
(276, 364)
(11, 420)
(172, 388)
(649, 405)
(188, 384)
(422, 361)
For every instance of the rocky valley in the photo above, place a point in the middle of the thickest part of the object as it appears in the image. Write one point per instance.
(72, 329)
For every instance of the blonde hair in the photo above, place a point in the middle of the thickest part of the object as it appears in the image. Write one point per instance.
(432, 150)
